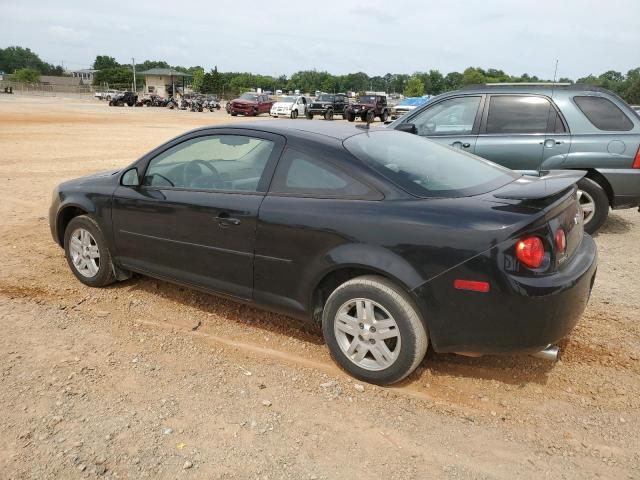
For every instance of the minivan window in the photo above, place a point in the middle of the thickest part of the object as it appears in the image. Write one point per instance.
(603, 113)
(518, 114)
(425, 168)
(454, 116)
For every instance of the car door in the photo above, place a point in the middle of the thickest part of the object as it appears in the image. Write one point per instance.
(513, 130)
(453, 121)
(193, 217)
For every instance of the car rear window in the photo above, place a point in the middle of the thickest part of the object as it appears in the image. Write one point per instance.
(425, 168)
(603, 113)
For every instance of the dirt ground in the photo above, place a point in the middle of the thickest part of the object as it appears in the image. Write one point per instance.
(122, 383)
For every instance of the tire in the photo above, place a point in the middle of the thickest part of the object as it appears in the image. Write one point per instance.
(404, 350)
(234, 114)
(328, 115)
(294, 114)
(351, 117)
(595, 204)
(111, 103)
(103, 273)
(363, 117)
(384, 116)
(309, 116)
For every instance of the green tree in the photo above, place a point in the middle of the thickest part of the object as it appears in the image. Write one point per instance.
(104, 62)
(198, 80)
(216, 81)
(119, 77)
(26, 75)
(414, 87)
(15, 58)
(452, 81)
(473, 76)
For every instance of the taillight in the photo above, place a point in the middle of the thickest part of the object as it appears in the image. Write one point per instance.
(636, 161)
(561, 241)
(530, 251)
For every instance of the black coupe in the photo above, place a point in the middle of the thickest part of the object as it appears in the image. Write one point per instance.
(389, 241)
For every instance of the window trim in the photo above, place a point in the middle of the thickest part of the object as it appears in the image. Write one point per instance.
(584, 94)
(373, 195)
(485, 116)
(267, 174)
(476, 122)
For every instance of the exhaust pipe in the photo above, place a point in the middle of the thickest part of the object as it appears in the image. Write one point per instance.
(550, 353)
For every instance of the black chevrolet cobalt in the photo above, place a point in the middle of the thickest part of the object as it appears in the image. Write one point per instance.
(389, 241)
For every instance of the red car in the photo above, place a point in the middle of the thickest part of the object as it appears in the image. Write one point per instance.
(250, 104)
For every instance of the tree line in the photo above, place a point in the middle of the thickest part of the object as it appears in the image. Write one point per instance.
(432, 82)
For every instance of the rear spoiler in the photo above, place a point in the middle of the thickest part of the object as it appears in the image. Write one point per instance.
(536, 185)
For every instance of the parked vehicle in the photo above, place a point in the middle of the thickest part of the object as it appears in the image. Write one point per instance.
(535, 127)
(368, 107)
(289, 106)
(212, 103)
(407, 105)
(328, 105)
(389, 241)
(250, 104)
(124, 98)
(106, 94)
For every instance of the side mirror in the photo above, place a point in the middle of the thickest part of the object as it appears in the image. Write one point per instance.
(407, 127)
(130, 178)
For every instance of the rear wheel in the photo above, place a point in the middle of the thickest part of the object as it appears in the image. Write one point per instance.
(87, 253)
(373, 330)
(595, 204)
(294, 114)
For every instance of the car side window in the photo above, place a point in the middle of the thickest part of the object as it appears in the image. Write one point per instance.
(454, 116)
(300, 174)
(510, 114)
(603, 113)
(232, 163)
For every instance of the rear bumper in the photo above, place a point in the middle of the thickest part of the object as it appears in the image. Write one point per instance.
(518, 314)
(625, 183)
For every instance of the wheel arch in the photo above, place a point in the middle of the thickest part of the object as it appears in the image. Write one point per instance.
(600, 179)
(67, 213)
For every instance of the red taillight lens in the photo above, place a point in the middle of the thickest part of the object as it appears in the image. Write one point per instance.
(636, 161)
(530, 251)
(561, 240)
(472, 285)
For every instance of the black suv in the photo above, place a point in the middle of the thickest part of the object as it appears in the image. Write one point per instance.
(368, 107)
(328, 105)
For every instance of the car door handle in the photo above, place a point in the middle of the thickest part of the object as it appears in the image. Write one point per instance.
(224, 220)
(549, 142)
(460, 144)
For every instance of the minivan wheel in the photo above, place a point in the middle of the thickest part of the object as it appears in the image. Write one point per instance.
(594, 203)
(373, 330)
(87, 253)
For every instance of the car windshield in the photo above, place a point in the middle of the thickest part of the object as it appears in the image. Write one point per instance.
(287, 99)
(325, 98)
(425, 168)
(367, 99)
(249, 96)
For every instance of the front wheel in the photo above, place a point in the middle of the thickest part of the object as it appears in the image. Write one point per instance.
(87, 253)
(594, 203)
(384, 116)
(351, 117)
(309, 116)
(328, 115)
(294, 114)
(373, 330)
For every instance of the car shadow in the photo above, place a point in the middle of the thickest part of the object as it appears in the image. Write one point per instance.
(615, 224)
(510, 369)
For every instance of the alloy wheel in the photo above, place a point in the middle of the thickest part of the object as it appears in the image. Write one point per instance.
(587, 204)
(85, 253)
(367, 334)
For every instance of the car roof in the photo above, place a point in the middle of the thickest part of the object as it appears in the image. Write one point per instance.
(531, 88)
(337, 130)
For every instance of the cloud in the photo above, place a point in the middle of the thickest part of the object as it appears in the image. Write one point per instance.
(67, 35)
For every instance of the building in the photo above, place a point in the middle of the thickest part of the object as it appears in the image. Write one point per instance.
(60, 81)
(85, 75)
(164, 81)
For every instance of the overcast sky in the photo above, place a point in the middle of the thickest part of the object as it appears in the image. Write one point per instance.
(277, 37)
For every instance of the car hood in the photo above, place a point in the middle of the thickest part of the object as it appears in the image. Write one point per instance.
(238, 101)
(283, 104)
(91, 179)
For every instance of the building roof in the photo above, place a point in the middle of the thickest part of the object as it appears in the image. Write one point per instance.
(167, 72)
(83, 70)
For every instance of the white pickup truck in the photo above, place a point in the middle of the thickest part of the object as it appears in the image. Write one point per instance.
(106, 94)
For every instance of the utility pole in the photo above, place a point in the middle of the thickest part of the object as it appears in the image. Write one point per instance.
(133, 63)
